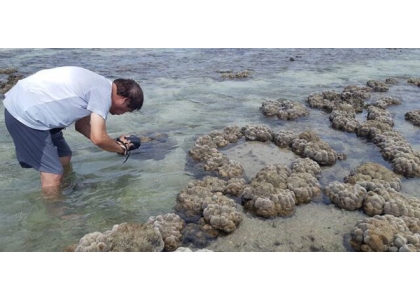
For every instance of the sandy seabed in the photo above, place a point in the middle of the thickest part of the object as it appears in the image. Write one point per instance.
(313, 227)
(316, 226)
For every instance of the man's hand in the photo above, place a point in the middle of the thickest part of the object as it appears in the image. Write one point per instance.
(135, 142)
(128, 143)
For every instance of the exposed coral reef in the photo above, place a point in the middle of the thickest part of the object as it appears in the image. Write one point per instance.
(125, 237)
(378, 86)
(415, 81)
(378, 127)
(386, 101)
(413, 117)
(206, 203)
(386, 233)
(12, 78)
(232, 75)
(376, 190)
(284, 109)
(277, 189)
(170, 226)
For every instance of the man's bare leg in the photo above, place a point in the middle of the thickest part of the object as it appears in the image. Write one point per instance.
(50, 184)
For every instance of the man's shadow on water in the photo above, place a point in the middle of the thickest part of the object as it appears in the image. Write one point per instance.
(154, 145)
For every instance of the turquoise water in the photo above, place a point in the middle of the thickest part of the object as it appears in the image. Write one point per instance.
(185, 96)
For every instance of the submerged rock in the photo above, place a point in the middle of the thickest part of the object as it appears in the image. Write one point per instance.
(237, 75)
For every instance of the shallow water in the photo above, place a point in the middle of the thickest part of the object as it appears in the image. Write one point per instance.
(185, 96)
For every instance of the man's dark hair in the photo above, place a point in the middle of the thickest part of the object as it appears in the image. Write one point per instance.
(130, 89)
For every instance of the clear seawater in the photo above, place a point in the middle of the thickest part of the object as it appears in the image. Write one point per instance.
(185, 97)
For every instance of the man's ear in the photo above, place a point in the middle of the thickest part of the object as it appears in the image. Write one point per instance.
(120, 100)
(126, 101)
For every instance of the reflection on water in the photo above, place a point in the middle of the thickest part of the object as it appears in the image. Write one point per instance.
(185, 97)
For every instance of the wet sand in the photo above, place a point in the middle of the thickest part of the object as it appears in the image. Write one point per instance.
(313, 227)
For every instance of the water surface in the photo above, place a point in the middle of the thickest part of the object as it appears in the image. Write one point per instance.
(185, 97)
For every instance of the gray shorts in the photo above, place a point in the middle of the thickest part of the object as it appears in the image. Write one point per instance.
(38, 149)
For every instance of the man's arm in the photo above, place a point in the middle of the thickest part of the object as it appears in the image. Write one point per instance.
(83, 126)
(94, 128)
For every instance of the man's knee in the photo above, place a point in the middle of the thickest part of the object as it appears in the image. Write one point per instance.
(51, 185)
(50, 180)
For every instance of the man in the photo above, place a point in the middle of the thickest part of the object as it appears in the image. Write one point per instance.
(38, 107)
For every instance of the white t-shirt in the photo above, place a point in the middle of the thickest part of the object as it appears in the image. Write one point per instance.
(56, 98)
